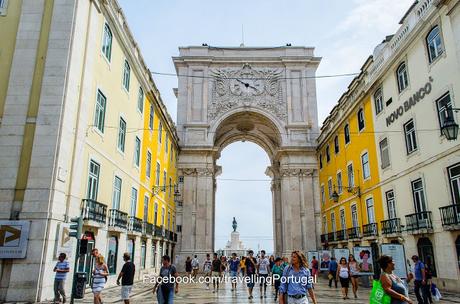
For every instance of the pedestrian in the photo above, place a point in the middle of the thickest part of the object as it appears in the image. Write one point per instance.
(251, 265)
(332, 276)
(429, 270)
(223, 265)
(297, 281)
(343, 274)
(100, 274)
(127, 277)
(216, 270)
(285, 262)
(195, 266)
(314, 267)
(188, 266)
(420, 281)
(272, 261)
(391, 283)
(207, 266)
(277, 271)
(169, 286)
(61, 269)
(243, 265)
(234, 266)
(354, 273)
(263, 269)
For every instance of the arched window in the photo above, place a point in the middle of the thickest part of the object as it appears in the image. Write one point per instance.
(403, 80)
(336, 145)
(434, 43)
(112, 255)
(107, 42)
(361, 123)
(426, 254)
(378, 101)
(126, 75)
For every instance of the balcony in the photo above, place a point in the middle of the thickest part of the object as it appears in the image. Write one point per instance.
(354, 233)
(175, 237)
(147, 228)
(94, 211)
(371, 230)
(158, 231)
(134, 224)
(118, 219)
(171, 236)
(166, 234)
(341, 235)
(324, 238)
(391, 226)
(419, 222)
(331, 237)
(450, 217)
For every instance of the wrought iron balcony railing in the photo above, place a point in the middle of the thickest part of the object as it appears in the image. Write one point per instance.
(324, 238)
(94, 211)
(354, 233)
(147, 228)
(370, 230)
(331, 237)
(158, 231)
(134, 224)
(341, 235)
(450, 215)
(118, 219)
(391, 226)
(419, 220)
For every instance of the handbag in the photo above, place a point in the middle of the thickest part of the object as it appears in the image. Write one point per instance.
(378, 295)
(330, 276)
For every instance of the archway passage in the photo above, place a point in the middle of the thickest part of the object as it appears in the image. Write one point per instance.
(263, 95)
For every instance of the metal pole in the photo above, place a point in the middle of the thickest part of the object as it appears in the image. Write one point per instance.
(77, 257)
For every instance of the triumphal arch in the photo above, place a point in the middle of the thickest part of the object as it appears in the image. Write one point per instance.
(260, 94)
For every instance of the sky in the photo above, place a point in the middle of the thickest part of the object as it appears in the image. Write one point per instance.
(343, 32)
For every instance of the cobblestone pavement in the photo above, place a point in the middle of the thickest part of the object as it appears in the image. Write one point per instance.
(196, 293)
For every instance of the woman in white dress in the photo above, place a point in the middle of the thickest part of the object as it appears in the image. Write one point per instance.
(100, 274)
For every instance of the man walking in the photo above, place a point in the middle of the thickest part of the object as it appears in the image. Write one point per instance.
(333, 272)
(195, 266)
(420, 281)
(263, 268)
(207, 267)
(61, 269)
(127, 277)
(216, 272)
(234, 265)
(250, 272)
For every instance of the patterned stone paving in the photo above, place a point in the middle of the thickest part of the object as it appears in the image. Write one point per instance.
(195, 293)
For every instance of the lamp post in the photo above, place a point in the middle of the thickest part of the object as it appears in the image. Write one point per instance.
(450, 128)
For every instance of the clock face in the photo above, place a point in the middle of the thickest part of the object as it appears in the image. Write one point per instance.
(247, 86)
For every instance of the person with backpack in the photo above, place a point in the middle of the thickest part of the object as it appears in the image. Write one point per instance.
(195, 266)
(169, 286)
(297, 281)
(392, 284)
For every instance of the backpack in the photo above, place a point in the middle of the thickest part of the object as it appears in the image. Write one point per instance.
(378, 295)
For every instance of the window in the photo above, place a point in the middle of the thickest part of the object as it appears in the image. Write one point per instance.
(403, 80)
(354, 216)
(328, 154)
(346, 133)
(143, 254)
(365, 163)
(160, 132)
(137, 152)
(378, 101)
(325, 224)
(154, 254)
(391, 206)
(146, 208)
(411, 139)
(343, 224)
(93, 180)
(162, 217)
(329, 187)
(418, 195)
(132, 211)
(130, 248)
(172, 152)
(333, 222)
(157, 181)
(361, 119)
(166, 143)
(116, 197)
(454, 181)
(3, 7)
(351, 176)
(321, 161)
(323, 195)
(99, 117)
(444, 106)
(126, 75)
(148, 165)
(179, 228)
(370, 210)
(140, 100)
(169, 220)
(170, 187)
(339, 182)
(336, 144)
(121, 135)
(151, 117)
(434, 43)
(384, 153)
(112, 255)
(155, 215)
(164, 181)
(107, 42)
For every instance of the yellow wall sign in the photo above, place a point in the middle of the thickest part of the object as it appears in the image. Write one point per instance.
(13, 239)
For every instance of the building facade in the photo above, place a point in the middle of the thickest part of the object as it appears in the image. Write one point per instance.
(411, 83)
(83, 131)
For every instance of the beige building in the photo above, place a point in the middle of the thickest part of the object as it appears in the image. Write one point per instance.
(83, 131)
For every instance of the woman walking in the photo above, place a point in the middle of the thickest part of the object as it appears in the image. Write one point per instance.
(188, 266)
(100, 274)
(354, 274)
(343, 274)
(392, 285)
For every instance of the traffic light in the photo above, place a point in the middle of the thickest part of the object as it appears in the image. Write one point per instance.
(76, 227)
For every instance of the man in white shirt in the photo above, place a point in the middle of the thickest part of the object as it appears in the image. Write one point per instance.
(263, 269)
(195, 266)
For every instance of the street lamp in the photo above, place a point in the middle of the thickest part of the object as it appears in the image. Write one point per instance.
(450, 128)
(354, 190)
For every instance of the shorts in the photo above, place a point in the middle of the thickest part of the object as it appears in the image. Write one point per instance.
(355, 276)
(251, 281)
(126, 291)
(215, 274)
(233, 273)
(344, 282)
(263, 279)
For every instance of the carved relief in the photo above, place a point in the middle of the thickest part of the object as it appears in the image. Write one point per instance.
(197, 171)
(246, 87)
(296, 172)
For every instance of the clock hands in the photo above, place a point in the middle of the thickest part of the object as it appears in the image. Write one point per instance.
(246, 84)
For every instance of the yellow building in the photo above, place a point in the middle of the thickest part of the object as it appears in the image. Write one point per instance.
(351, 204)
